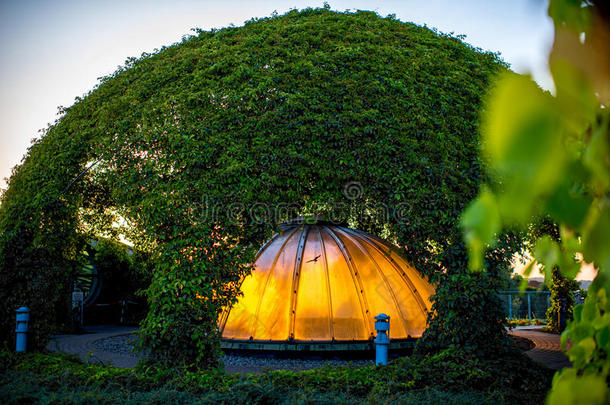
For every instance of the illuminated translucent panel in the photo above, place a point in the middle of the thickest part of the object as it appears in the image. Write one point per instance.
(315, 282)
(376, 290)
(424, 288)
(349, 316)
(420, 286)
(313, 313)
(242, 316)
(273, 320)
(411, 307)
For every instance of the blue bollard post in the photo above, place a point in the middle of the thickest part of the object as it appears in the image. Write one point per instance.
(23, 317)
(382, 341)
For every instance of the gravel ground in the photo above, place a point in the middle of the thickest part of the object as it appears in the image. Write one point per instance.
(123, 345)
(289, 364)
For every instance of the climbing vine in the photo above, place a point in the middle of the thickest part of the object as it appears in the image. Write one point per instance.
(196, 151)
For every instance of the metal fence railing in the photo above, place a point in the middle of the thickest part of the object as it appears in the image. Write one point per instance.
(525, 304)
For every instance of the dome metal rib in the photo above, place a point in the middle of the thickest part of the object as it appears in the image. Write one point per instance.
(357, 282)
(295, 280)
(328, 290)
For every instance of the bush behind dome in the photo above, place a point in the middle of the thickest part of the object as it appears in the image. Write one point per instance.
(198, 149)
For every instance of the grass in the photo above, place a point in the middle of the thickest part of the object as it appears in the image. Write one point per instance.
(449, 377)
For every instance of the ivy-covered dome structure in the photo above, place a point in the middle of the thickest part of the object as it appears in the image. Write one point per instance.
(195, 152)
(319, 282)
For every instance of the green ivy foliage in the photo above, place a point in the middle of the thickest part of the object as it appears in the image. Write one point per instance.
(541, 234)
(552, 156)
(589, 334)
(200, 148)
(459, 378)
(562, 289)
(471, 318)
(468, 309)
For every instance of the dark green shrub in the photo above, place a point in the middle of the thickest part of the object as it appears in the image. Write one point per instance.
(451, 374)
(472, 317)
(562, 288)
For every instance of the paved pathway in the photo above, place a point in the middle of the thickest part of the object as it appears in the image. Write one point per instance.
(548, 347)
(547, 350)
(82, 345)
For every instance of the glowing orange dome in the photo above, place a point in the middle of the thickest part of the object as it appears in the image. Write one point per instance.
(319, 282)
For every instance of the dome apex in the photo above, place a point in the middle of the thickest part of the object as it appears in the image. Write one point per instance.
(308, 220)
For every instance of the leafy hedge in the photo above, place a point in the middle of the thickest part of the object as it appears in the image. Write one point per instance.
(451, 376)
(200, 148)
(562, 288)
